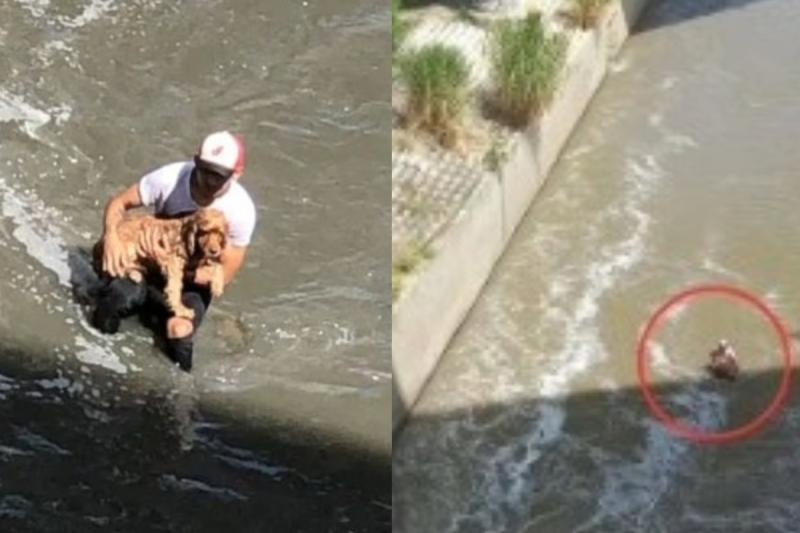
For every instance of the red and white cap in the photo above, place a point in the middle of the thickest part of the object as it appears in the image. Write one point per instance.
(224, 149)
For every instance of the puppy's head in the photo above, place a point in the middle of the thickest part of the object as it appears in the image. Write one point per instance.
(211, 233)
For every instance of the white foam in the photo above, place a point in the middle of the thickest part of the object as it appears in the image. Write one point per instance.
(60, 113)
(516, 460)
(682, 141)
(9, 450)
(257, 466)
(710, 265)
(508, 478)
(93, 354)
(668, 83)
(94, 11)
(57, 48)
(96, 414)
(506, 473)
(344, 335)
(39, 443)
(632, 487)
(13, 108)
(583, 348)
(667, 366)
(36, 8)
(578, 152)
(619, 65)
(655, 119)
(7, 384)
(676, 311)
(659, 355)
(191, 485)
(674, 142)
(14, 506)
(58, 45)
(35, 230)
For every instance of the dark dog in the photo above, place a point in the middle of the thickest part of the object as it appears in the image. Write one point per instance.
(113, 303)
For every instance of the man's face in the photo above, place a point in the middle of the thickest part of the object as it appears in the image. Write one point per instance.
(210, 179)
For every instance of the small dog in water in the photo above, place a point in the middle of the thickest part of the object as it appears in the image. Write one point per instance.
(172, 246)
(723, 363)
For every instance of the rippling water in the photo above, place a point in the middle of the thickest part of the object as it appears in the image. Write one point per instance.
(284, 425)
(682, 172)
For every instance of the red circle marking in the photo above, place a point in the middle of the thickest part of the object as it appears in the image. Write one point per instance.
(745, 431)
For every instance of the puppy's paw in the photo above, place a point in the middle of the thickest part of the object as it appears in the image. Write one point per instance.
(184, 312)
(217, 287)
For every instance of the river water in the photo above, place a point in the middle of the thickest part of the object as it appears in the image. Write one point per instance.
(684, 171)
(284, 425)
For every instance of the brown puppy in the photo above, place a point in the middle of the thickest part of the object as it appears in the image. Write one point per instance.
(723, 363)
(211, 233)
(172, 246)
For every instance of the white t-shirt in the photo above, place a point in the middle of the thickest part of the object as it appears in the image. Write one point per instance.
(235, 204)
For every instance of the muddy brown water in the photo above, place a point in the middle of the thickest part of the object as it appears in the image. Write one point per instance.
(683, 171)
(284, 424)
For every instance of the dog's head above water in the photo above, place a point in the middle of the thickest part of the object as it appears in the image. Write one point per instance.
(207, 234)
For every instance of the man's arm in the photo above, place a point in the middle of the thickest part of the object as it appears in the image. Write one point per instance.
(114, 258)
(232, 261)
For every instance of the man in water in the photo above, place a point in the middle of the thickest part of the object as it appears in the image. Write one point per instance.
(210, 179)
(723, 361)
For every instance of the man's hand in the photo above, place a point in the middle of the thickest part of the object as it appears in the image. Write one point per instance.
(115, 257)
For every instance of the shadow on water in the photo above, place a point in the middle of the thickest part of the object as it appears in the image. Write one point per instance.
(80, 456)
(660, 13)
(608, 463)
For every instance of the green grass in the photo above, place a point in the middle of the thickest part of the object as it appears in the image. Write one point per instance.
(495, 156)
(399, 26)
(436, 79)
(586, 13)
(527, 63)
(406, 262)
